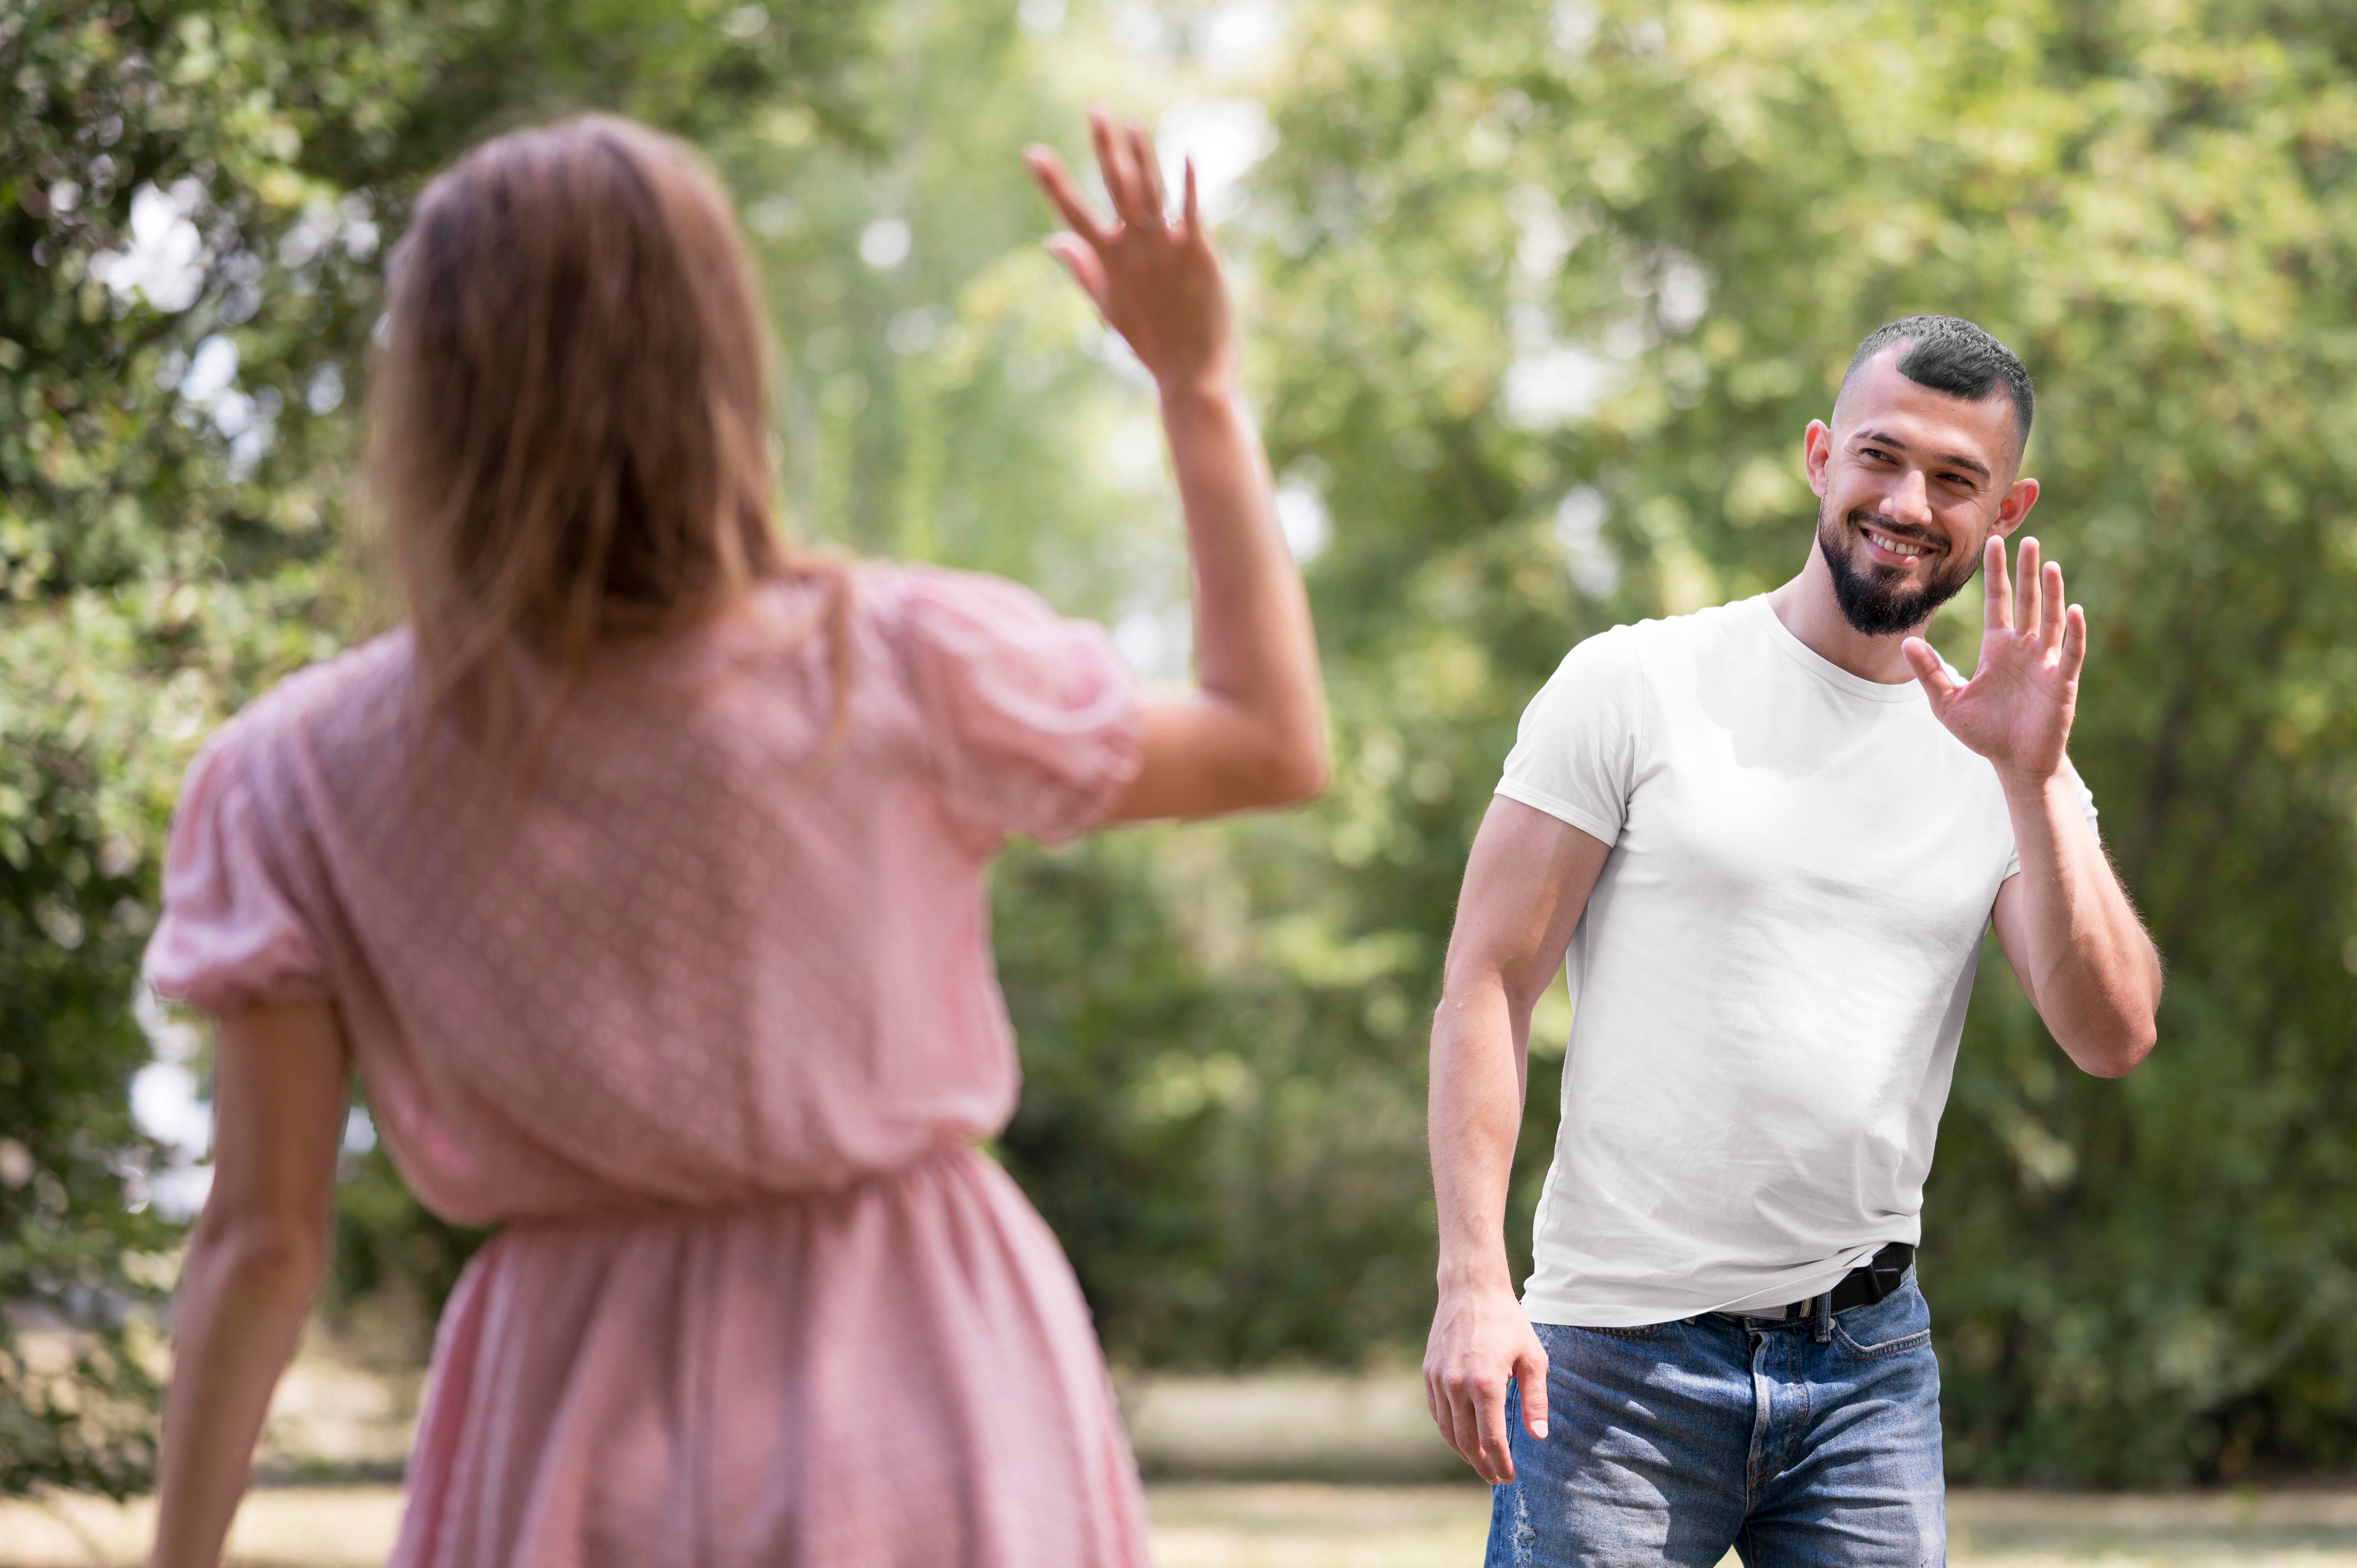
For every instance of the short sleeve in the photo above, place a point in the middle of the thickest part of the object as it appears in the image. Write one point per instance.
(1574, 757)
(231, 936)
(2086, 804)
(1038, 718)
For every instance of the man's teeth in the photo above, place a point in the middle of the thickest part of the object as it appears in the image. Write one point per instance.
(1895, 546)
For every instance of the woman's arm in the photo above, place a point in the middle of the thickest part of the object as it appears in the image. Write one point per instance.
(1254, 731)
(252, 1266)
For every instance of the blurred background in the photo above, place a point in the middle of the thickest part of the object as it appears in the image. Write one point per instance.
(1539, 300)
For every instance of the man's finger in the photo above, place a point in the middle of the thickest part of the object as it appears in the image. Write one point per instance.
(2051, 603)
(2025, 590)
(1435, 1403)
(1938, 684)
(1996, 594)
(1048, 170)
(1530, 1383)
(1497, 1446)
(1444, 1415)
(1193, 213)
(2074, 642)
(1463, 1434)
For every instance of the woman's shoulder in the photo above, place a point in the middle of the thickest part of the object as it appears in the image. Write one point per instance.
(925, 611)
(902, 595)
(355, 694)
(1033, 717)
(901, 620)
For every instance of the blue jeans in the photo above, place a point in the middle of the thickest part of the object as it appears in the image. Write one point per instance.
(1805, 1444)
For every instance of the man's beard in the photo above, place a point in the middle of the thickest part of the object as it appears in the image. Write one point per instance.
(1872, 597)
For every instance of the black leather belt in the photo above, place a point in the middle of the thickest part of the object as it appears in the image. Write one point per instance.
(1862, 1286)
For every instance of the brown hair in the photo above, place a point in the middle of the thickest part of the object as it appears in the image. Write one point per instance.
(568, 412)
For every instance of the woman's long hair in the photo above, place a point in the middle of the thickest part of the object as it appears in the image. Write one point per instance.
(568, 413)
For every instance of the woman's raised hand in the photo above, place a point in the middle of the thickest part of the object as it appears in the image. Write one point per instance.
(1154, 278)
(1253, 733)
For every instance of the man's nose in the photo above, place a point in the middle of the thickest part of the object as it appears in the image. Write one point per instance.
(1912, 502)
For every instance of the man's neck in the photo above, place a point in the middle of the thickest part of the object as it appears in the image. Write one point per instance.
(1809, 610)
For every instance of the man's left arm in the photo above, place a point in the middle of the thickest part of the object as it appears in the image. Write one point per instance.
(2064, 921)
(2072, 936)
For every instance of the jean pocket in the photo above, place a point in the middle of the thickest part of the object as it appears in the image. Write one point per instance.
(1895, 1345)
(1898, 1346)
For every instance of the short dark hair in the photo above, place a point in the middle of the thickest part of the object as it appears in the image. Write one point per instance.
(1952, 355)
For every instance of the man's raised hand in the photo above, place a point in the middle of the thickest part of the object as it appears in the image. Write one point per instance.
(1155, 279)
(2016, 710)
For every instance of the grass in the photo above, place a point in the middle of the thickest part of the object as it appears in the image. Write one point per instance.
(1303, 1524)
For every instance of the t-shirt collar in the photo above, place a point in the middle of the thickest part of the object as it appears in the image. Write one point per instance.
(1824, 668)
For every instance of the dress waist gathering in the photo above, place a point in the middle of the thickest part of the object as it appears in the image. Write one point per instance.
(624, 1209)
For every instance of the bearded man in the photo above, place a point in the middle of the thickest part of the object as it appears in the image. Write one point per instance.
(1765, 839)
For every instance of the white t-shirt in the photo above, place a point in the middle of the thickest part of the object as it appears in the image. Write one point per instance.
(1770, 976)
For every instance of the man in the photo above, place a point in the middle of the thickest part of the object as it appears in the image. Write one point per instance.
(1769, 836)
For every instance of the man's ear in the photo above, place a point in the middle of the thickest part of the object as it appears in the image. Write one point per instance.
(2019, 497)
(1817, 450)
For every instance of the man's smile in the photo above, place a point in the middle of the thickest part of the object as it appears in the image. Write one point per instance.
(1894, 549)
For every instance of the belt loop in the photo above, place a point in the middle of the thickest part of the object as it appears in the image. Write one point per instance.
(1825, 1318)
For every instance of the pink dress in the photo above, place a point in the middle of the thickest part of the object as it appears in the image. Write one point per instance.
(707, 1021)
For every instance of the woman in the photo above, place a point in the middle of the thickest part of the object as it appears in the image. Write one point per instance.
(640, 876)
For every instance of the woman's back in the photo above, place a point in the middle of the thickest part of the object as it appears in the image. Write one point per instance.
(718, 952)
(709, 1017)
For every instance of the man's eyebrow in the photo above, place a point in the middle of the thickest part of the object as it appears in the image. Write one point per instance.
(1954, 459)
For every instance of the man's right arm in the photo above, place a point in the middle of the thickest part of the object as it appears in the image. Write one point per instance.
(1526, 882)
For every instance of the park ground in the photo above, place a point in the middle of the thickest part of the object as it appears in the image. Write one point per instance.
(1364, 1484)
(1296, 1524)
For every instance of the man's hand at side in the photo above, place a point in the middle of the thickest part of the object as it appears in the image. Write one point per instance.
(1479, 1339)
(1525, 885)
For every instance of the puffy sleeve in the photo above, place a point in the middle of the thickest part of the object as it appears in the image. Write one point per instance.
(1037, 718)
(231, 936)
(1575, 755)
